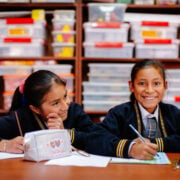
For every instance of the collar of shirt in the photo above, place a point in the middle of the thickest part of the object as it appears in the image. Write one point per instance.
(145, 114)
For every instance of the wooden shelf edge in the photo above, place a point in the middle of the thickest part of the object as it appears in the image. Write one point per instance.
(44, 58)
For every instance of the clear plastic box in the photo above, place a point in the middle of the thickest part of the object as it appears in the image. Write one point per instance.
(22, 27)
(63, 49)
(166, 2)
(99, 105)
(110, 68)
(106, 96)
(173, 73)
(105, 87)
(145, 2)
(108, 50)
(153, 30)
(115, 78)
(69, 78)
(106, 32)
(15, 1)
(21, 47)
(57, 68)
(164, 48)
(63, 36)
(66, 15)
(106, 12)
(63, 25)
(7, 99)
(12, 81)
(15, 69)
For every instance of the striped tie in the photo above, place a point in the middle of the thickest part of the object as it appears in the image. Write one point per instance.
(151, 127)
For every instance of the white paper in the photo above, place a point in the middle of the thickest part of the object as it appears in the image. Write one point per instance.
(160, 158)
(78, 160)
(10, 155)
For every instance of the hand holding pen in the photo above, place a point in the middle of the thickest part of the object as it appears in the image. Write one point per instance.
(142, 149)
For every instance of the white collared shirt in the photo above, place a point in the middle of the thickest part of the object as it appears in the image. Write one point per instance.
(145, 115)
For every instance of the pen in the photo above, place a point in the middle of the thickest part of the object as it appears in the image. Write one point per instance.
(138, 134)
(83, 153)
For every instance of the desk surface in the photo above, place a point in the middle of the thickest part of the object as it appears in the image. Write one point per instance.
(17, 169)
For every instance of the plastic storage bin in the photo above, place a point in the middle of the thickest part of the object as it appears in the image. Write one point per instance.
(164, 48)
(166, 2)
(12, 81)
(65, 15)
(110, 68)
(99, 105)
(63, 36)
(22, 27)
(153, 30)
(112, 78)
(21, 47)
(63, 49)
(15, 1)
(69, 78)
(66, 26)
(106, 12)
(108, 50)
(15, 69)
(106, 96)
(105, 87)
(145, 2)
(7, 99)
(106, 32)
(57, 68)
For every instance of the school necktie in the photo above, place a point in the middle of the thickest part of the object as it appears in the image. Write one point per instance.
(151, 127)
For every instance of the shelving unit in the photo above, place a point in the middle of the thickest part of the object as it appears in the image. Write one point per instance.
(80, 62)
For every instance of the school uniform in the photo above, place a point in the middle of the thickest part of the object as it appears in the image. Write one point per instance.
(116, 137)
(77, 123)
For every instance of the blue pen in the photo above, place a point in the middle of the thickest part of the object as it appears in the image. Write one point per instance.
(138, 134)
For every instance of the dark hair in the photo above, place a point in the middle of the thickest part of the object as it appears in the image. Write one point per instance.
(144, 64)
(36, 86)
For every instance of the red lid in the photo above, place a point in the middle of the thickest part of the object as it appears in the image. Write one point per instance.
(154, 23)
(17, 40)
(157, 41)
(106, 24)
(177, 98)
(19, 21)
(109, 44)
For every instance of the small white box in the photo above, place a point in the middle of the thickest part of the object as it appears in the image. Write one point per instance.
(153, 30)
(106, 12)
(105, 87)
(151, 48)
(108, 49)
(106, 32)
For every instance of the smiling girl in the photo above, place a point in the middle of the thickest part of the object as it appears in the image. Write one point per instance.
(45, 105)
(158, 122)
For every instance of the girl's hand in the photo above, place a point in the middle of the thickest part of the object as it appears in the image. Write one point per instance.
(54, 121)
(13, 146)
(143, 150)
